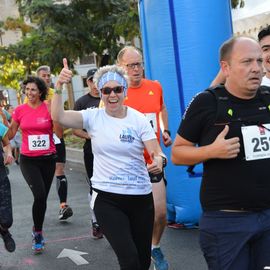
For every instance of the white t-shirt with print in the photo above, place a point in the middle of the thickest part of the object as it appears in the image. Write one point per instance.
(117, 145)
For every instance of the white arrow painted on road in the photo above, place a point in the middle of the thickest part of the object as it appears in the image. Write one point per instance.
(74, 255)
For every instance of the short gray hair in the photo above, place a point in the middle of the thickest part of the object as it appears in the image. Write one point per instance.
(45, 68)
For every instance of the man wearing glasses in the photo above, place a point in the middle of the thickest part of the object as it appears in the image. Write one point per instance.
(146, 96)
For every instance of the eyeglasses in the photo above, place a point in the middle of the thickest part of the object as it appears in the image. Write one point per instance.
(134, 65)
(108, 90)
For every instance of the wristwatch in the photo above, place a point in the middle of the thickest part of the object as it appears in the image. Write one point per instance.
(164, 161)
(167, 131)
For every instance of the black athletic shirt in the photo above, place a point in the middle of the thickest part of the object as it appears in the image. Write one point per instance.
(86, 101)
(229, 183)
(83, 103)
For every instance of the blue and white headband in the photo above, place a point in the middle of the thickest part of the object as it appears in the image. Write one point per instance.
(112, 76)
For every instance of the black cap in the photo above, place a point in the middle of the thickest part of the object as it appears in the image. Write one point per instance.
(90, 73)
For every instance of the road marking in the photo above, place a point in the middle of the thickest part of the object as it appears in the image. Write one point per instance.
(73, 255)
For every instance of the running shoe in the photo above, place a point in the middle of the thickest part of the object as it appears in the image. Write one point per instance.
(65, 212)
(8, 240)
(158, 259)
(96, 231)
(38, 242)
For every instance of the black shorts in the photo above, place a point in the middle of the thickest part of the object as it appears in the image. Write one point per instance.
(61, 152)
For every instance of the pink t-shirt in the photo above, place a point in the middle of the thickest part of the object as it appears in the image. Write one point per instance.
(37, 130)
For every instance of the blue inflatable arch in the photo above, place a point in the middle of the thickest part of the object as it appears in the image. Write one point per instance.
(181, 39)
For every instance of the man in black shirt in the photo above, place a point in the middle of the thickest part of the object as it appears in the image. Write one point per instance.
(228, 129)
(90, 100)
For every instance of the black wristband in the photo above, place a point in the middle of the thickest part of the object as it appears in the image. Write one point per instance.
(167, 131)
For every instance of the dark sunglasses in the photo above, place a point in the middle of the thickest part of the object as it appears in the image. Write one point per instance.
(108, 90)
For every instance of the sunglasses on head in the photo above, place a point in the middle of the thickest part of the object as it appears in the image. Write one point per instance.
(108, 90)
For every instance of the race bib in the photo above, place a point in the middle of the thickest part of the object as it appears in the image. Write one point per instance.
(38, 142)
(56, 139)
(256, 141)
(152, 118)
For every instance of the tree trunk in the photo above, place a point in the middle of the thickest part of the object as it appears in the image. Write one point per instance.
(71, 100)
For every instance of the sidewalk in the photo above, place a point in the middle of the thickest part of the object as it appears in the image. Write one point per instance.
(69, 245)
(74, 159)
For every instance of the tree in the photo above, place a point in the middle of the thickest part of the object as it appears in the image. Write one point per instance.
(236, 3)
(17, 23)
(71, 30)
(75, 30)
(10, 72)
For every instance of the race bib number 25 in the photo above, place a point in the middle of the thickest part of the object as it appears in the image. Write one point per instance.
(256, 141)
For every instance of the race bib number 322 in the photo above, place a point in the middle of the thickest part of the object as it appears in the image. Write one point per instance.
(38, 142)
(256, 141)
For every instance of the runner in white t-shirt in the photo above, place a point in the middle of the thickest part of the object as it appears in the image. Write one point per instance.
(122, 194)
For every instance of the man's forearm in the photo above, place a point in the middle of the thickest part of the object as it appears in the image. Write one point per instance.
(81, 133)
(189, 155)
(164, 118)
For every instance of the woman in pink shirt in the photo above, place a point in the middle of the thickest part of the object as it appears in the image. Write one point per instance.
(37, 160)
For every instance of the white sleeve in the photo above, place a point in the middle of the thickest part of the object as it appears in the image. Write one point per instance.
(88, 116)
(146, 130)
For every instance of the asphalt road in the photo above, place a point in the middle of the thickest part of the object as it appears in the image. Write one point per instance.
(69, 244)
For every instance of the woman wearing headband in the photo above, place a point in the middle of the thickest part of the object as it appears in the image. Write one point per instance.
(122, 195)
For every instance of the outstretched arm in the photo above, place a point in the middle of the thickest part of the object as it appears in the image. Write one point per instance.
(81, 133)
(68, 118)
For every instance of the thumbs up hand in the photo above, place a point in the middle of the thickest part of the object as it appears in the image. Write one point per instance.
(224, 148)
(65, 74)
(65, 63)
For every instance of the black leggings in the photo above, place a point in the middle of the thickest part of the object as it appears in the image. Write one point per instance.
(38, 173)
(88, 159)
(6, 218)
(127, 223)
